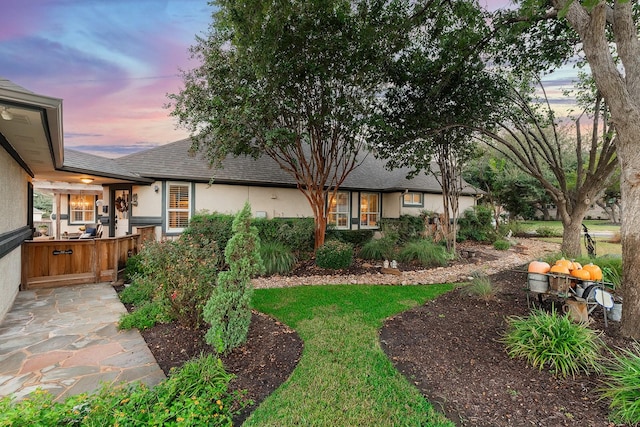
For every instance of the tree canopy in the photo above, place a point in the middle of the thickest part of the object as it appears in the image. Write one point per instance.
(293, 80)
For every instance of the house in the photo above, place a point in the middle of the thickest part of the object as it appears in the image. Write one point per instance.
(171, 185)
(31, 147)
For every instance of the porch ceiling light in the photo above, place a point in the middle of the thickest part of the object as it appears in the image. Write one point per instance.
(87, 180)
(6, 114)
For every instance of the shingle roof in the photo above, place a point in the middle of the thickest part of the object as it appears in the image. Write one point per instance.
(174, 161)
(76, 161)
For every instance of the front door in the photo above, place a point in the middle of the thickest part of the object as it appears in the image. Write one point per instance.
(121, 202)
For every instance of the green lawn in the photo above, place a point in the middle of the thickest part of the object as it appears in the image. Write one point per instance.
(344, 378)
(592, 225)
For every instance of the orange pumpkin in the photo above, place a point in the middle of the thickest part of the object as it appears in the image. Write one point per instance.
(559, 269)
(539, 267)
(575, 266)
(565, 263)
(581, 274)
(594, 271)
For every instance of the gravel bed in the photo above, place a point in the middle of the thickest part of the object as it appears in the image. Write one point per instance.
(487, 260)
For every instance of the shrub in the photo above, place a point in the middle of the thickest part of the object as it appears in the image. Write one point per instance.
(622, 386)
(405, 229)
(228, 309)
(189, 278)
(334, 255)
(276, 257)
(356, 238)
(196, 394)
(482, 287)
(516, 228)
(133, 268)
(145, 316)
(475, 224)
(553, 340)
(140, 291)
(547, 232)
(180, 274)
(214, 226)
(501, 245)
(427, 253)
(379, 249)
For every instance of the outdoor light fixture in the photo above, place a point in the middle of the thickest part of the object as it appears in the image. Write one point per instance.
(86, 180)
(6, 114)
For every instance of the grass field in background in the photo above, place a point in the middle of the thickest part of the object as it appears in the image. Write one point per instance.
(344, 378)
(592, 225)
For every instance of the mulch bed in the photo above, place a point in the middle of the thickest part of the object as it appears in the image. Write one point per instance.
(448, 348)
(267, 359)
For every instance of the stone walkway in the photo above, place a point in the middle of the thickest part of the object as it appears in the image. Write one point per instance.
(66, 341)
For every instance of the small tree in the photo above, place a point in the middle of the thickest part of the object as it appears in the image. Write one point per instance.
(228, 310)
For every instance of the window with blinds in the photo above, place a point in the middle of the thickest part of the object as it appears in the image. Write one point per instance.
(178, 206)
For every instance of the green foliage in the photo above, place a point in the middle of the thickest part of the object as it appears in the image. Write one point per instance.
(210, 227)
(277, 258)
(196, 394)
(145, 316)
(133, 268)
(425, 252)
(188, 278)
(356, 238)
(475, 224)
(515, 227)
(554, 341)
(622, 385)
(179, 274)
(611, 269)
(141, 290)
(547, 232)
(502, 245)
(228, 309)
(404, 229)
(334, 255)
(379, 249)
(482, 287)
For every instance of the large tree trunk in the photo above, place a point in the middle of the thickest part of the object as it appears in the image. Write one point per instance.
(630, 228)
(621, 94)
(571, 245)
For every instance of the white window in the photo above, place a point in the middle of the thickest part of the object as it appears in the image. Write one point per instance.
(82, 208)
(178, 206)
(369, 210)
(338, 215)
(412, 199)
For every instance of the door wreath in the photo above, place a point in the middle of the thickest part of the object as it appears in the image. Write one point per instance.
(121, 204)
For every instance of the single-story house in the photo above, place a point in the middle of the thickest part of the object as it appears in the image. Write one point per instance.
(31, 147)
(172, 185)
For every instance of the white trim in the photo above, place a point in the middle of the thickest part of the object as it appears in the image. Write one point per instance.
(180, 210)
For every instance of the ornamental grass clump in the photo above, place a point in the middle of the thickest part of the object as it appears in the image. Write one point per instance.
(379, 249)
(425, 252)
(334, 255)
(552, 340)
(277, 258)
(482, 287)
(622, 385)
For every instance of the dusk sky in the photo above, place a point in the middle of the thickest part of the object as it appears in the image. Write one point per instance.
(111, 61)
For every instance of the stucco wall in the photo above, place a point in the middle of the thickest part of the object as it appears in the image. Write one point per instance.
(10, 265)
(392, 205)
(229, 199)
(149, 201)
(13, 216)
(13, 194)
